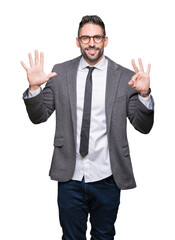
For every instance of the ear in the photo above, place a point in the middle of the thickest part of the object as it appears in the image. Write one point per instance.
(106, 41)
(77, 42)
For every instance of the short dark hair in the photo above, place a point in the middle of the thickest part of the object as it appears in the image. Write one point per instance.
(92, 19)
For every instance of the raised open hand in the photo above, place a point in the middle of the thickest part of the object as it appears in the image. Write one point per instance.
(35, 73)
(141, 80)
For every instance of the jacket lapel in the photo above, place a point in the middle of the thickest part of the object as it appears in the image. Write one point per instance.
(113, 77)
(72, 80)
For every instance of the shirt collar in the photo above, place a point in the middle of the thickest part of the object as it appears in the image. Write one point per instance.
(100, 65)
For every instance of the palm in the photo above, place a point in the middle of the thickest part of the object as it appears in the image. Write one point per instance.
(35, 73)
(141, 80)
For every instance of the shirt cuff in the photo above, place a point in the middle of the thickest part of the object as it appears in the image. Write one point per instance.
(147, 101)
(33, 93)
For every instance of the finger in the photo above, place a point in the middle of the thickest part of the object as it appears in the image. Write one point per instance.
(134, 79)
(24, 66)
(36, 57)
(30, 59)
(131, 82)
(136, 76)
(148, 69)
(140, 65)
(42, 58)
(51, 75)
(134, 66)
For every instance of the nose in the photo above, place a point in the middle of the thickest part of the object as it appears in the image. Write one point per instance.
(91, 43)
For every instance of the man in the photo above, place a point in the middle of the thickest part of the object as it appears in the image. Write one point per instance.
(92, 96)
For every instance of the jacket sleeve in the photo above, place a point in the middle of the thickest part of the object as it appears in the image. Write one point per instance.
(139, 115)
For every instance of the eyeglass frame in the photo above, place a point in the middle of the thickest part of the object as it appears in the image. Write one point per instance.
(102, 37)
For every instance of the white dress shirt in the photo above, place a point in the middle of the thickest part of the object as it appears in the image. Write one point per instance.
(96, 165)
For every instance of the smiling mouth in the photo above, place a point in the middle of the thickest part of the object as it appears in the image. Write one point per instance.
(91, 51)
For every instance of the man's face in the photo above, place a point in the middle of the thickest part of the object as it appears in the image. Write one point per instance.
(92, 52)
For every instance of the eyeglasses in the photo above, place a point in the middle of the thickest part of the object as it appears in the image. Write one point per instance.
(96, 38)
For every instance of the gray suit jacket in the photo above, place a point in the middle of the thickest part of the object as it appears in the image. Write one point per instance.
(121, 102)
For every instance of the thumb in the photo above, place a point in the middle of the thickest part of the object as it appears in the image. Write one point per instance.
(51, 75)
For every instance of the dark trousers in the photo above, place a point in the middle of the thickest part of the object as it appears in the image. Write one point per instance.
(76, 199)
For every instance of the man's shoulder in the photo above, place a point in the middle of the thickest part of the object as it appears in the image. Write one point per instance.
(119, 67)
(67, 63)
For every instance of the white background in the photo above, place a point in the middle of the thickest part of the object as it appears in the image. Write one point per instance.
(28, 199)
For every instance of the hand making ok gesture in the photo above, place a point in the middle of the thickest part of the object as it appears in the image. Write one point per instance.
(35, 73)
(141, 80)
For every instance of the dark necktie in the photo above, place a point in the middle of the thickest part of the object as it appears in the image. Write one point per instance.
(84, 137)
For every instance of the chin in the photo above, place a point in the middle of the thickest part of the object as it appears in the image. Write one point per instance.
(93, 58)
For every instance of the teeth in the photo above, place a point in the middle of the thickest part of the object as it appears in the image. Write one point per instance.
(92, 51)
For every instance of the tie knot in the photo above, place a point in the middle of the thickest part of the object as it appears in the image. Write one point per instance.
(91, 69)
